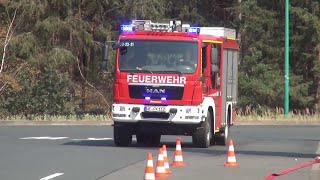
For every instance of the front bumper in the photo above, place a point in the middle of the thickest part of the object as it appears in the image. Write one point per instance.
(169, 114)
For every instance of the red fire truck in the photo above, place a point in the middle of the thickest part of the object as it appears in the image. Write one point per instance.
(174, 79)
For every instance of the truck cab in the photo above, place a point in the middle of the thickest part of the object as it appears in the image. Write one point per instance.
(173, 79)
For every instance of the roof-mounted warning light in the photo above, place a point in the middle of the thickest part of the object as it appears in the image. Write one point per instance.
(147, 25)
(177, 26)
(194, 30)
(126, 28)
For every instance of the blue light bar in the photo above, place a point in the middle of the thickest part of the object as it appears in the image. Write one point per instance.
(163, 98)
(147, 98)
(126, 28)
(194, 30)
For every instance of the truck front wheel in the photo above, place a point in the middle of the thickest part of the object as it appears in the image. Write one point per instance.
(202, 136)
(122, 135)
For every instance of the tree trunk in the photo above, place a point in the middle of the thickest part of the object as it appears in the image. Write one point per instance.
(83, 83)
(318, 86)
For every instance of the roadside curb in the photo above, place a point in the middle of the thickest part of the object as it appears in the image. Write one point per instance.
(263, 123)
(54, 123)
(109, 122)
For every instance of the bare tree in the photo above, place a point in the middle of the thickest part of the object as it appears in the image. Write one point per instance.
(104, 99)
(13, 23)
(8, 39)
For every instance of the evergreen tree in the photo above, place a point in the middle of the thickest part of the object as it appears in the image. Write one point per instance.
(60, 42)
(262, 31)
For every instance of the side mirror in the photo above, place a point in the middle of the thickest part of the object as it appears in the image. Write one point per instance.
(214, 56)
(116, 45)
(214, 68)
(105, 53)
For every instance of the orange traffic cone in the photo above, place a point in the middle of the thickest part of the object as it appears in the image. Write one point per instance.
(161, 170)
(149, 172)
(231, 161)
(178, 159)
(166, 160)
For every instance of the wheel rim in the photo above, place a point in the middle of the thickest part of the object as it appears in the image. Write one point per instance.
(226, 132)
(208, 134)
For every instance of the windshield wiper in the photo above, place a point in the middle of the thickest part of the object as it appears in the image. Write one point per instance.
(177, 72)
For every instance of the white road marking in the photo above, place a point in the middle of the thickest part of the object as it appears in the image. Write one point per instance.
(52, 176)
(45, 137)
(58, 138)
(93, 139)
(316, 167)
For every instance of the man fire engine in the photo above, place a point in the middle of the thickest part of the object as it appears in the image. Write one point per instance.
(173, 79)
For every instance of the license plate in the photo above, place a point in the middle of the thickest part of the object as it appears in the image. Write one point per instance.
(154, 109)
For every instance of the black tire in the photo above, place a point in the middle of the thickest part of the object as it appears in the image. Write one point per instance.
(122, 135)
(202, 136)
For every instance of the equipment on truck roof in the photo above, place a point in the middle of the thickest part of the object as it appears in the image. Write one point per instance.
(176, 26)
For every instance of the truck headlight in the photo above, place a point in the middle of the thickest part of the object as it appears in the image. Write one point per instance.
(193, 110)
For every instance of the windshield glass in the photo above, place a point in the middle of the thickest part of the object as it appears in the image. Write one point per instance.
(158, 56)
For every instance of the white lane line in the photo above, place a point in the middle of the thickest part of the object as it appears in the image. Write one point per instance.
(52, 176)
(45, 137)
(316, 167)
(92, 139)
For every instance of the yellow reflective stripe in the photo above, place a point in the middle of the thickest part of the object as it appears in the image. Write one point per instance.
(213, 41)
(201, 63)
(230, 38)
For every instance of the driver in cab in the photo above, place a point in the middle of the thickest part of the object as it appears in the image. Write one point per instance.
(188, 60)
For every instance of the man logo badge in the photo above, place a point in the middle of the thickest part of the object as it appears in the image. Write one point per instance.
(155, 91)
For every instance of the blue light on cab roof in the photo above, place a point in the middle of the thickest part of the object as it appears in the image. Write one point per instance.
(194, 30)
(126, 28)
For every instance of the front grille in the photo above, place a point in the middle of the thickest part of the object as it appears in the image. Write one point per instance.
(156, 92)
(157, 115)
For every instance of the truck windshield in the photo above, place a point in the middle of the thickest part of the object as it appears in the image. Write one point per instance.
(158, 56)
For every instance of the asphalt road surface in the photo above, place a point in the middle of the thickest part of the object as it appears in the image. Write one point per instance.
(88, 153)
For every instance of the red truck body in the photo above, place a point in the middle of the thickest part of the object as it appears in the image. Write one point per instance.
(168, 95)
